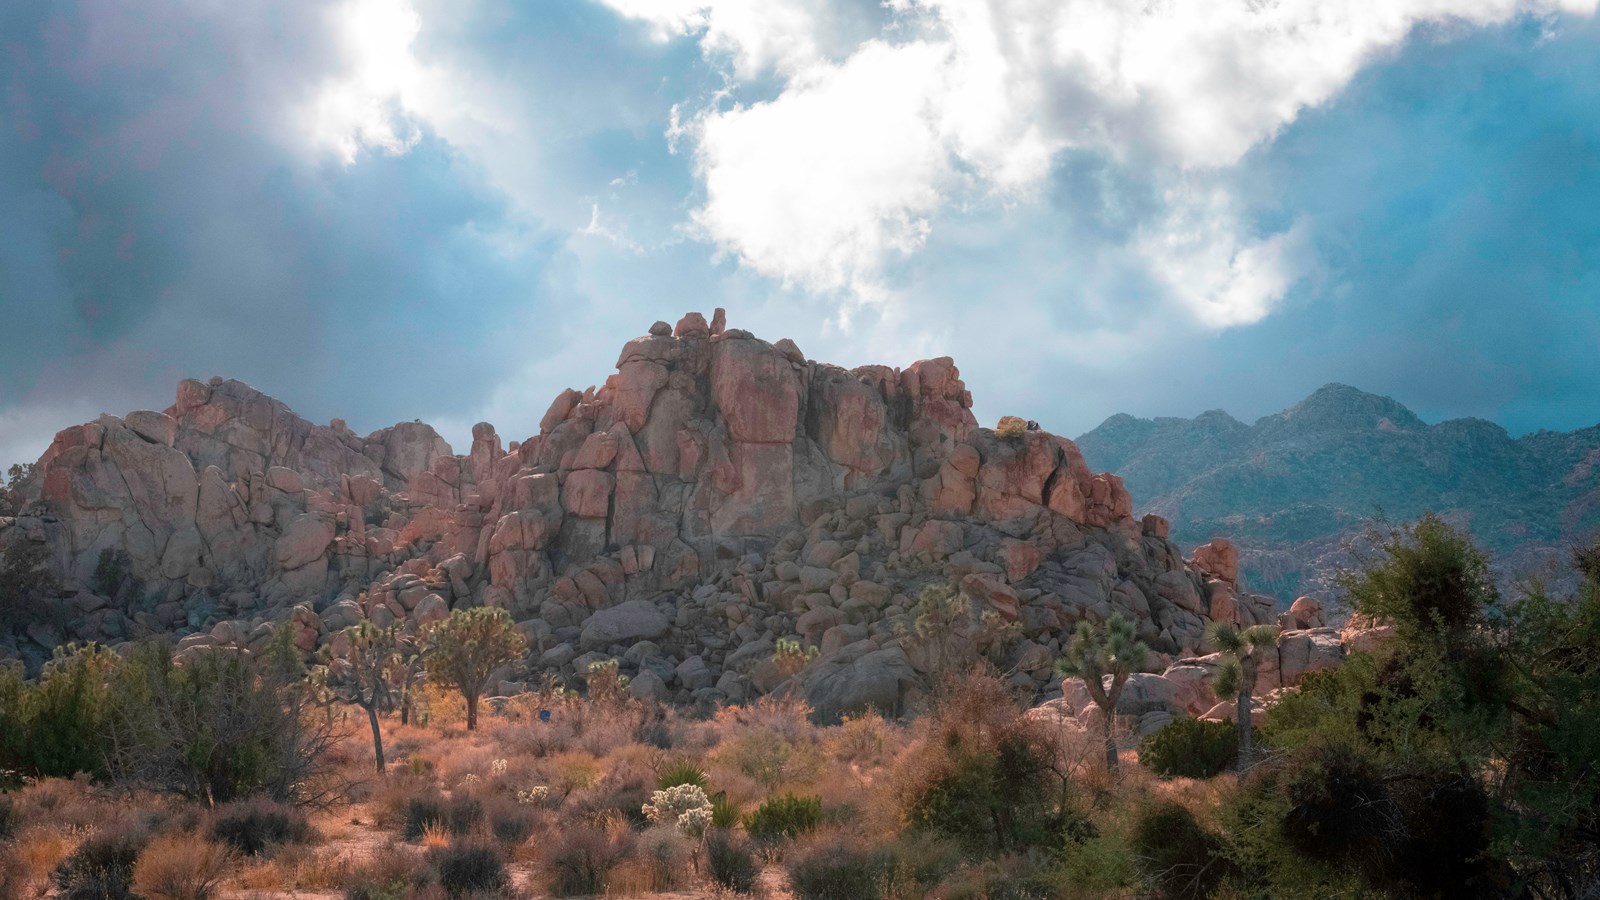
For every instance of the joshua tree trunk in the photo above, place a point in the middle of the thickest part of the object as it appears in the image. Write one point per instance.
(1111, 742)
(472, 712)
(1242, 711)
(377, 736)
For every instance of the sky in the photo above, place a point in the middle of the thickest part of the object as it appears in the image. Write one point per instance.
(382, 210)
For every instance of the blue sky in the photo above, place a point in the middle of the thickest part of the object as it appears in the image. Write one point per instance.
(392, 209)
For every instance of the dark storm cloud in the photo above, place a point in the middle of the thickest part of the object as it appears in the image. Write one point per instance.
(166, 218)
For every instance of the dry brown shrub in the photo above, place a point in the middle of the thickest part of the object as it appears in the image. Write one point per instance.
(306, 868)
(29, 858)
(180, 867)
(660, 864)
(392, 864)
(584, 855)
(61, 803)
(622, 791)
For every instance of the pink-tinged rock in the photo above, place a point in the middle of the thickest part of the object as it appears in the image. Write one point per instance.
(1109, 501)
(661, 329)
(1019, 558)
(790, 351)
(763, 501)
(1219, 558)
(520, 530)
(934, 541)
(1363, 634)
(692, 325)
(1228, 711)
(691, 450)
(431, 608)
(587, 493)
(1224, 602)
(939, 395)
(560, 408)
(1192, 686)
(756, 389)
(952, 490)
(637, 384)
(597, 452)
(1154, 526)
(155, 427)
(1304, 613)
(849, 421)
(719, 321)
(1303, 652)
(1012, 478)
(995, 593)
(307, 538)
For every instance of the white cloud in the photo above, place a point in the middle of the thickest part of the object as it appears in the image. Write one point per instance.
(819, 185)
(370, 103)
(843, 173)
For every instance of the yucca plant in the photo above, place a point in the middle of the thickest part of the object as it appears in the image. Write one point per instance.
(1093, 655)
(1238, 675)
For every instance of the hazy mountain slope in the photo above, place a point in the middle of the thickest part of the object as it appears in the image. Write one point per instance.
(1293, 487)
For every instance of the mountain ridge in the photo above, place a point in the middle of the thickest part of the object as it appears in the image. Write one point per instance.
(1295, 486)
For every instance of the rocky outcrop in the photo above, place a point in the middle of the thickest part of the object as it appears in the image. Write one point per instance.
(716, 494)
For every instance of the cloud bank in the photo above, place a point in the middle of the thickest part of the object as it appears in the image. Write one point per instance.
(845, 170)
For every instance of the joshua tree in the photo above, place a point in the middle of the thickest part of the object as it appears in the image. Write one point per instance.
(364, 676)
(1092, 656)
(465, 649)
(1238, 674)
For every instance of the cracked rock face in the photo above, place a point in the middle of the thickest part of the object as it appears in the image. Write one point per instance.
(714, 495)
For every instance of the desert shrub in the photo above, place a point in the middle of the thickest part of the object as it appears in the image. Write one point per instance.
(180, 867)
(730, 864)
(1191, 748)
(679, 773)
(258, 826)
(1011, 428)
(724, 811)
(102, 866)
(458, 815)
(837, 871)
(623, 792)
(916, 863)
(387, 875)
(582, 859)
(511, 822)
(1177, 856)
(222, 726)
(466, 869)
(786, 816)
(986, 776)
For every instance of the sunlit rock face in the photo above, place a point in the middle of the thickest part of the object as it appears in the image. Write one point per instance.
(714, 495)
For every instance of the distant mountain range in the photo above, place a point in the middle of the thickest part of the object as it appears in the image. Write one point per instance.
(1295, 488)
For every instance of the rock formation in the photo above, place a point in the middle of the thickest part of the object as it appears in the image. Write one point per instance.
(716, 494)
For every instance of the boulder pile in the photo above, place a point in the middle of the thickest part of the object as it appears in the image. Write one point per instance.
(714, 496)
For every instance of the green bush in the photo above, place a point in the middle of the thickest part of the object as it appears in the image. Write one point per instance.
(838, 871)
(1191, 748)
(991, 800)
(1178, 857)
(681, 773)
(470, 869)
(102, 866)
(258, 826)
(724, 812)
(786, 816)
(731, 865)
